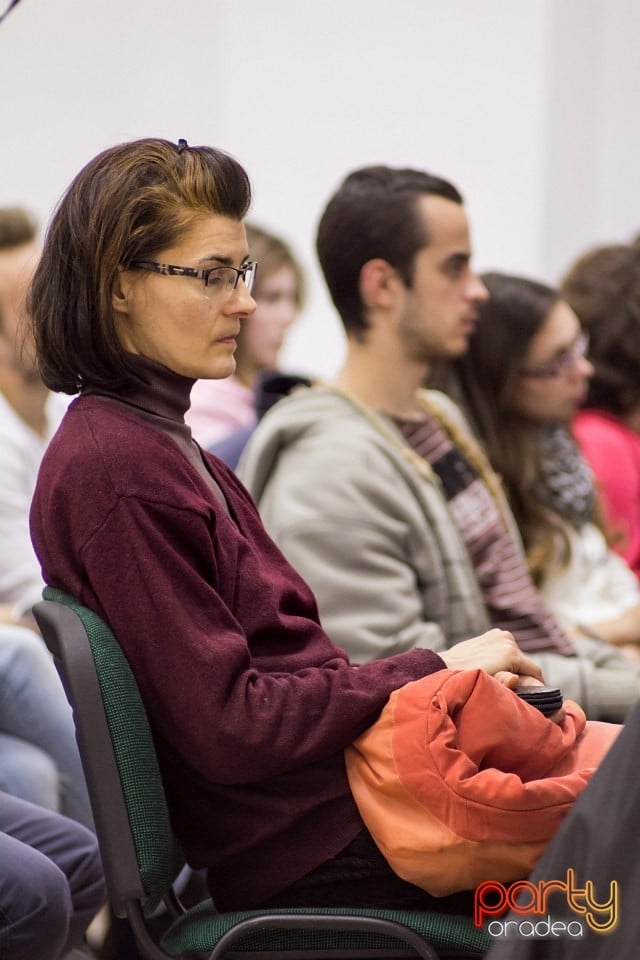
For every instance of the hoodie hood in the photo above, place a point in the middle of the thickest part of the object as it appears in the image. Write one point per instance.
(307, 416)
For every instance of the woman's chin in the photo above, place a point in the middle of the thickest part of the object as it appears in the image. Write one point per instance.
(219, 370)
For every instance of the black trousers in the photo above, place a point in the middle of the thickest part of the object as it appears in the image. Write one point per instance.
(361, 877)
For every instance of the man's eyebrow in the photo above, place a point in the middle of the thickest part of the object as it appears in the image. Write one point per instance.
(456, 261)
(459, 257)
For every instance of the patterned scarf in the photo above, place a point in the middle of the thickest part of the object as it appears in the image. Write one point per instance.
(565, 483)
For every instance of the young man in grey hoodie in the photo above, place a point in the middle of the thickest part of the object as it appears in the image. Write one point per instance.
(375, 488)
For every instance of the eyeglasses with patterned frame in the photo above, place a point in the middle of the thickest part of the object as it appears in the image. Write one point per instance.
(217, 280)
(562, 364)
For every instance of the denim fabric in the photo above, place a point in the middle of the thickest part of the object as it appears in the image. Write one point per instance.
(39, 758)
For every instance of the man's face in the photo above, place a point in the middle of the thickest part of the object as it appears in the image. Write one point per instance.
(16, 269)
(439, 311)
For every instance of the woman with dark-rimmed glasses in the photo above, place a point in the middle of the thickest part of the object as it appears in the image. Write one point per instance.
(523, 378)
(143, 285)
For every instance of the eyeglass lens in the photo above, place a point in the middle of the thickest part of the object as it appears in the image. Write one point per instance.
(575, 353)
(225, 279)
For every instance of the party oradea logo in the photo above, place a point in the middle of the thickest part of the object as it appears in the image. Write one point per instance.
(584, 910)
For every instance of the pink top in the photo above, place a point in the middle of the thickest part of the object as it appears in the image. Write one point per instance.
(613, 451)
(218, 408)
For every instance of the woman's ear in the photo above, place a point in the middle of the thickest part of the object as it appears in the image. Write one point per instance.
(120, 292)
(377, 284)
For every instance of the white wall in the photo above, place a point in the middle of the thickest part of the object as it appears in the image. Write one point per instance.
(529, 107)
(592, 151)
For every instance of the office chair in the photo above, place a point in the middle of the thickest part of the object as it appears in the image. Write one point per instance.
(142, 857)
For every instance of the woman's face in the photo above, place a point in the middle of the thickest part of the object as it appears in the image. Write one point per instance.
(554, 374)
(176, 320)
(263, 334)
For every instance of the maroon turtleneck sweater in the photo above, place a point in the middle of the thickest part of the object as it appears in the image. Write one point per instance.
(250, 703)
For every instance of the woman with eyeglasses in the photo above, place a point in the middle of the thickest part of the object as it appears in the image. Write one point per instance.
(143, 285)
(524, 376)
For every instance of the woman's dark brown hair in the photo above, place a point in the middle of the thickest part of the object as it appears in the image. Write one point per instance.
(128, 203)
(603, 287)
(487, 379)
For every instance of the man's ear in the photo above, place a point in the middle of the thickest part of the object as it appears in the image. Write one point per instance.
(378, 281)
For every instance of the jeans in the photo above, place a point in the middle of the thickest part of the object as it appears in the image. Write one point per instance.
(39, 759)
(51, 883)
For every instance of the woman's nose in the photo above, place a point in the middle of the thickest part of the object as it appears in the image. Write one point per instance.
(241, 301)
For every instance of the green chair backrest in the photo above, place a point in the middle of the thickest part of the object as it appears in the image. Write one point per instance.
(158, 852)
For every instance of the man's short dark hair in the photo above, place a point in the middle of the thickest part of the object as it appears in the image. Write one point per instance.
(373, 214)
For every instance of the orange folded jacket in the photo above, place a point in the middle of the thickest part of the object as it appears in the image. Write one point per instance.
(460, 781)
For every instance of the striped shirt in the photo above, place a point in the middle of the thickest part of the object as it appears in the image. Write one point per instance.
(512, 600)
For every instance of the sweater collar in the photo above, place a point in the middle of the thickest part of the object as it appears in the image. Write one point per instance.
(163, 393)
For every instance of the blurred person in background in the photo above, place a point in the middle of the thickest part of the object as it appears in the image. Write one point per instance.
(525, 374)
(29, 415)
(39, 759)
(224, 412)
(603, 287)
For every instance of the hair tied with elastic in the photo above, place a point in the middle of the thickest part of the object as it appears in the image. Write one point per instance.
(182, 145)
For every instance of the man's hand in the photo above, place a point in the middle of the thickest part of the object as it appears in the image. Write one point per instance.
(495, 651)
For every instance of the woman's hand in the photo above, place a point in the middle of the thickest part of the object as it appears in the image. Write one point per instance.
(497, 652)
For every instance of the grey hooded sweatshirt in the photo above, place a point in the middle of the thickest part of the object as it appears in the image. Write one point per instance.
(362, 517)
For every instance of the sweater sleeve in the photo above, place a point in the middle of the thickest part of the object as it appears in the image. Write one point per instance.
(365, 589)
(240, 701)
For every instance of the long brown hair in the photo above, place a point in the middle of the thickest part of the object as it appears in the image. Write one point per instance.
(487, 379)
